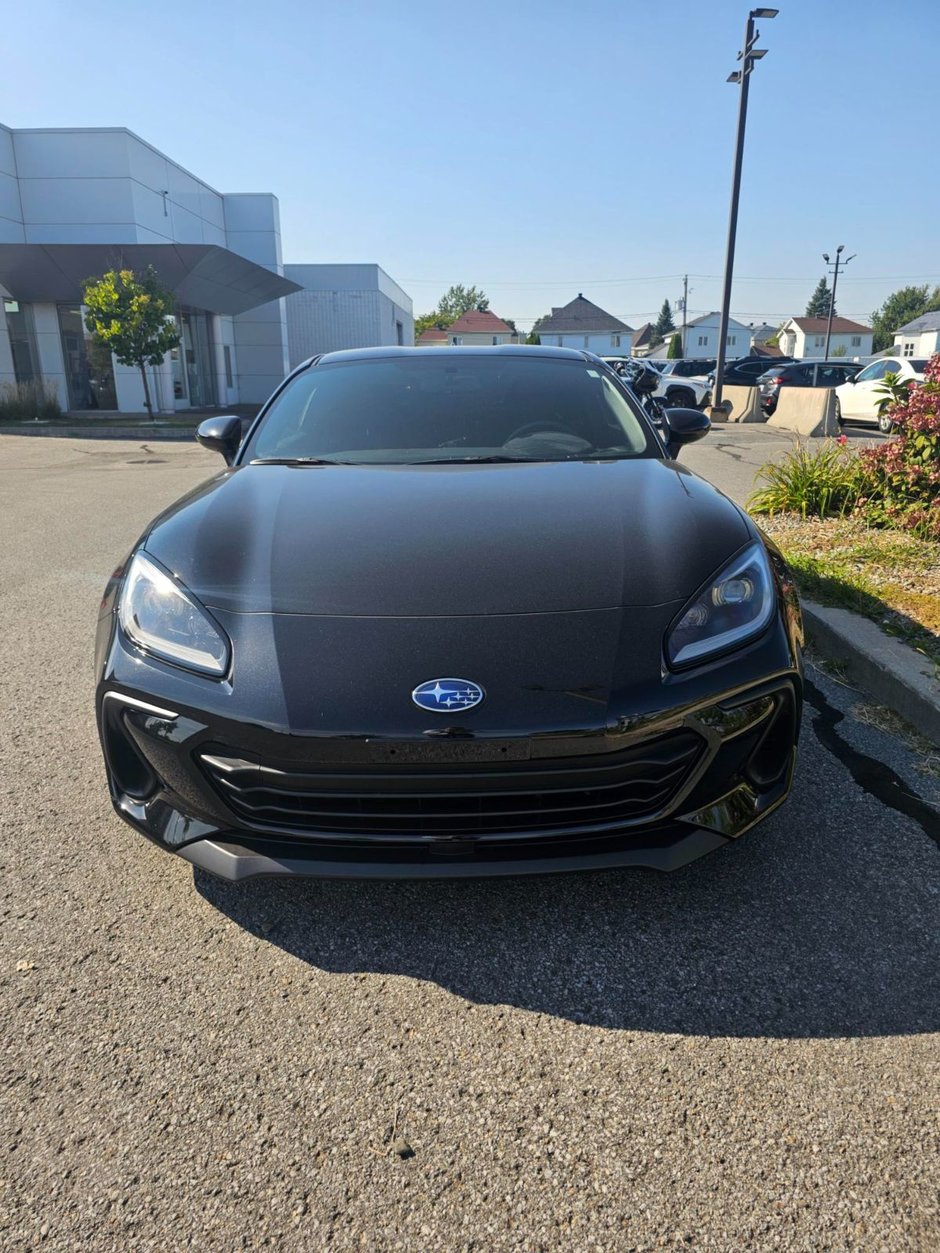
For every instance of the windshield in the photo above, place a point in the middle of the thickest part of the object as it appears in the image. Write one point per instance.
(423, 407)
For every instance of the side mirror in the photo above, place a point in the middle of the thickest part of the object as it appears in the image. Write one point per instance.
(683, 426)
(222, 434)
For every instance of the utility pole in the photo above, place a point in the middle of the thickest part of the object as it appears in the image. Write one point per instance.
(685, 306)
(747, 56)
(832, 295)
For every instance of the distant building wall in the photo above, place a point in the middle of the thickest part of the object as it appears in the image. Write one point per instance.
(604, 343)
(701, 340)
(344, 306)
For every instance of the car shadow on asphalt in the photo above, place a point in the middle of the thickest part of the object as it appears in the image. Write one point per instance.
(823, 923)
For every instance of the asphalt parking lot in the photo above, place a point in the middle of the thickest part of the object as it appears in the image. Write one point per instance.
(742, 1054)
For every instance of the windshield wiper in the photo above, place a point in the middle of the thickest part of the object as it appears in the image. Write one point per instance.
(299, 461)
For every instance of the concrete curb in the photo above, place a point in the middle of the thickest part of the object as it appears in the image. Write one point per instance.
(103, 432)
(890, 670)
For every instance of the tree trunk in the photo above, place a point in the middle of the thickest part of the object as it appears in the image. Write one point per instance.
(143, 375)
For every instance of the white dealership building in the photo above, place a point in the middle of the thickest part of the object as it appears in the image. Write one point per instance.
(77, 202)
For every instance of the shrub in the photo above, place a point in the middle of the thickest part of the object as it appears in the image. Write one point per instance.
(825, 483)
(904, 472)
(22, 402)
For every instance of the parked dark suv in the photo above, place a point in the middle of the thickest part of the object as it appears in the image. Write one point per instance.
(803, 374)
(747, 371)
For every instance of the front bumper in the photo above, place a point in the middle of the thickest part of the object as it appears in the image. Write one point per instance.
(731, 764)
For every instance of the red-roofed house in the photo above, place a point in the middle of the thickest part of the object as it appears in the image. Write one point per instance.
(806, 337)
(479, 328)
(432, 338)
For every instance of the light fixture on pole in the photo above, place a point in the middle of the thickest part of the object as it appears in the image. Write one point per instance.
(834, 271)
(747, 56)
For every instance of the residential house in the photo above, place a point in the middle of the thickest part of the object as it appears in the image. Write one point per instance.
(642, 342)
(433, 337)
(479, 328)
(583, 324)
(662, 349)
(760, 335)
(701, 338)
(920, 338)
(806, 337)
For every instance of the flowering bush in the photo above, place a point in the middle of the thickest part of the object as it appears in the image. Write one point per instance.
(902, 475)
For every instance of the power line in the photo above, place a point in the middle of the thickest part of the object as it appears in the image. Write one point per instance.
(662, 278)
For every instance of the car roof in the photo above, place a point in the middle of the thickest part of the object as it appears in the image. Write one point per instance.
(457, 350)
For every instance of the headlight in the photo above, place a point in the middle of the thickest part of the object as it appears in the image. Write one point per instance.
(160, 617)
(737, 605)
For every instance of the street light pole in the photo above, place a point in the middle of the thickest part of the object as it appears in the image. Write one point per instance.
(747, 56)
(832, 294)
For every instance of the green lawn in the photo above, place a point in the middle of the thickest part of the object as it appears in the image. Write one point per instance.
(891, 577)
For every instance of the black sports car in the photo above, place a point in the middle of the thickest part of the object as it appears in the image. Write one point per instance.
(449, 612)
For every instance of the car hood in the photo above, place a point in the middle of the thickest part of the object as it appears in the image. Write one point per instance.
(449, 540)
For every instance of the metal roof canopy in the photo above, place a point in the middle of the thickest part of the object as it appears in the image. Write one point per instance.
(202, 275)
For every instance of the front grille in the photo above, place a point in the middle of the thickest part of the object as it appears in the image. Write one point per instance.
(607, 790)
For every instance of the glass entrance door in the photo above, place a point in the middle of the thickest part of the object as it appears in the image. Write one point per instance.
(19, 319)
(197, 358)
(89, 373)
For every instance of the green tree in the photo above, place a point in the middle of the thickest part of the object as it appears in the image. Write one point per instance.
(458, 300)
(428, 320)
(818, 306)
(455, 302)
(664, 323)
(901, 307)
(533, 336)
(840, 350)
(674, 352)
(129, 316)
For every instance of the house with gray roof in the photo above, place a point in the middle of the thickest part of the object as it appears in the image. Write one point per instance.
(919, 338)
(583, 324)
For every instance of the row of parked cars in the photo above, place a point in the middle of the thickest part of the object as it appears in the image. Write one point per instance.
(857, 386)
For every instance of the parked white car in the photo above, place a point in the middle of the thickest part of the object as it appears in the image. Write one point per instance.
(675, 391)
(857, 400)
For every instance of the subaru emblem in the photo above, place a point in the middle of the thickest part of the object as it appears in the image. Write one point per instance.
(444, 696)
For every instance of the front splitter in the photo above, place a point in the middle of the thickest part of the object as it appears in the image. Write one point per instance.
(231, 860)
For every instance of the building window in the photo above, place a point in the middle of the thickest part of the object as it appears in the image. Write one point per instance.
(818, 341)
(856, 341)
(457, 340)
(732, 340)
(908, 349)
(702, 341)
(615, 341)
(227, 354)
(89, 373)
(399, 333)
(19, 318)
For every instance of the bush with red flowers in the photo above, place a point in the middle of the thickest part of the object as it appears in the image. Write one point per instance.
(902, 475)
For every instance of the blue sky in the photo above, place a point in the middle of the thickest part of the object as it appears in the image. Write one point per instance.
(536, 149)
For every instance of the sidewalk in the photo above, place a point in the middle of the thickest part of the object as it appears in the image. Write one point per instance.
(84, 425)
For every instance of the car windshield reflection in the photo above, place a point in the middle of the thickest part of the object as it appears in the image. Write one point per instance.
(427, 410)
